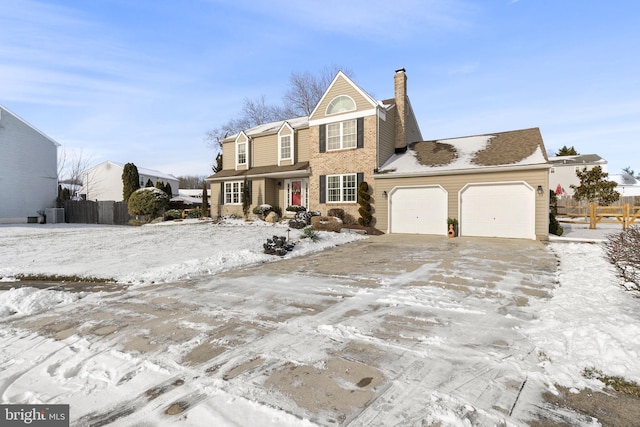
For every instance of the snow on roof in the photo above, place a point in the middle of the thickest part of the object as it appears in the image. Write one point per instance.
(514, 148)
(580, 158)
(624, 179)
(150, 172)
(188, 200)
(273, 127)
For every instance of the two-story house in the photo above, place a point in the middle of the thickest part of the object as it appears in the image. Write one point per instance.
(104, 181)
(319, 161)
(562, 174)
(316, 161)
(28, 169)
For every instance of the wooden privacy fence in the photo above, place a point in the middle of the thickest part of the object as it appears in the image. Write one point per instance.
(88, 212)
(625, 214)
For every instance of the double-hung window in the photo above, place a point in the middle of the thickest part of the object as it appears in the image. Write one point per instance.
(285, 147)
(233, 192)
(342, 135)
(341, 188)
(242, 153)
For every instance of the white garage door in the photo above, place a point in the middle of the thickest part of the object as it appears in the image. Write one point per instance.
(418, 210)
(498, 210)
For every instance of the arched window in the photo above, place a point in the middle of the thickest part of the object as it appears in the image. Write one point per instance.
(341, 104)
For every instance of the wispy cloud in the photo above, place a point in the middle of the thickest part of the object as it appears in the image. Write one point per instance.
(368, 19)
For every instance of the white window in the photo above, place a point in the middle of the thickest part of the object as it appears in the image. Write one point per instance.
(233, 192)
(340, 104)
(242, 153)
(285, 147)
(341, 135)
(341, 188)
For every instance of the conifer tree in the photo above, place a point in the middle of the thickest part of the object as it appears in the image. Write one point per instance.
(205, 200)
(130, 180)
(594, 187)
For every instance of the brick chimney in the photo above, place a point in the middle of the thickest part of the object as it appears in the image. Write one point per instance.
(400, 95)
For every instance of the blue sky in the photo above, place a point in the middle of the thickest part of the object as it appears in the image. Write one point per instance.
(143, 81)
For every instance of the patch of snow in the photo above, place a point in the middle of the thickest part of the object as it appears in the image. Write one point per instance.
(24, 301)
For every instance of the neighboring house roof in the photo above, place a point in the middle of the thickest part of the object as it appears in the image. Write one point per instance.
(5, 109)
(497, 150)
(624, 179)
(192, 192)
(579, 159)
(260, 170)
(271, 128)
(150, 172)
(187, 200)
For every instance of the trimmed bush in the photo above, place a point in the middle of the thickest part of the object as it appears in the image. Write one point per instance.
(148, 201)
(195, 213)
(554, 225)
(326, 223)
(172, 214)
(365, 206)
(296, 208)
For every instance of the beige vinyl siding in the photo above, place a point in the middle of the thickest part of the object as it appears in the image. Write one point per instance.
(302, 145)
(454, 183)
(341, 87)
(412, 130)
(264, 151)
(386, 144)
(228, 155)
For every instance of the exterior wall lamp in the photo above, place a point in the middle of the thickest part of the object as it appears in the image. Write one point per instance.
(384, 193)
(540, 190)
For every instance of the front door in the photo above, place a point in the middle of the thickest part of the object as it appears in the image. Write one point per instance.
(297, 192)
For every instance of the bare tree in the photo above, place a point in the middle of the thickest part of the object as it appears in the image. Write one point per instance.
(304, 93)
(191, 181)
(71, 169)
(306, 89)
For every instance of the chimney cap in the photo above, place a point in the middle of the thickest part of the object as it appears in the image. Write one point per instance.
(400, 70)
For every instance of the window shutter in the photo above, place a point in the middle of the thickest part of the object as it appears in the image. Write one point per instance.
(360, 132)
(250, 187)
(359, 179)
(222, 193)
(323, 188)
(323, 138)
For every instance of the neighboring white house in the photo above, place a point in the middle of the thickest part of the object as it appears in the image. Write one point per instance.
(627, 184)
(563, 171)
(104, 181)
(28, 169)
(190, 196)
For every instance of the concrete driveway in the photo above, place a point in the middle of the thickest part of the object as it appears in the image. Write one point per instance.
(383, 331)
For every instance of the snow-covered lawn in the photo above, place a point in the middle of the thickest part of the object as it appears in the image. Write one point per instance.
(589, 322)
(153, 253)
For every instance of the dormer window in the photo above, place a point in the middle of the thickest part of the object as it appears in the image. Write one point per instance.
(242, 153)
(285, 147)
(341, 104)
(285, 144)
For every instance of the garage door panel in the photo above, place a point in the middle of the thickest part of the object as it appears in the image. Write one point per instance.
(498, 210)
(418, 210)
